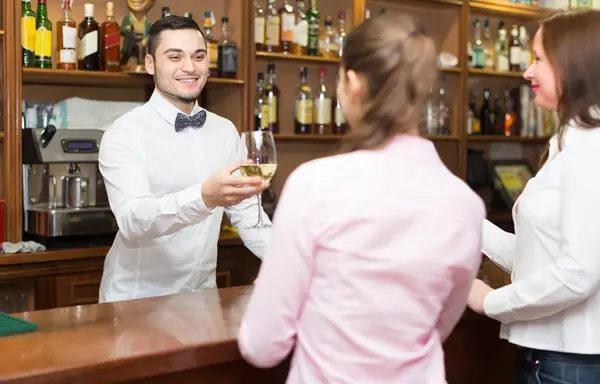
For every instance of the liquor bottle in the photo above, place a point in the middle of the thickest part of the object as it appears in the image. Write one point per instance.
(473, 122)
(510, 119)
(228, 54)
(272, 99)
(272, 29)
(110, 41)
(339, 125)
(515, 50)
(341, 37)
(66, 39)
(322, 106)
(304, 106)
(166, 11)
(43, 37)
(478, 51)
(328, 46)
(259, 26)
(432, 114)
(188, 15)
(485, 114)
(212, 45)
(27, 34)
(300, 46)
(499, 115)
(444, 114)
(288, 24)
(489, 61)
(89, 41)
(314, 28)
(261, 110)
(525, 50)
(502, 56)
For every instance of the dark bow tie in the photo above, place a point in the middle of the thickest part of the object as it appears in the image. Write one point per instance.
(183, 121)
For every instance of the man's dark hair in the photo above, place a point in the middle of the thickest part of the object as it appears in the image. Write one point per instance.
(170, 23)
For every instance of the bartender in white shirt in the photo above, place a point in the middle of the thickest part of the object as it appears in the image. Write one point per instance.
(552, 307)
(170, 172)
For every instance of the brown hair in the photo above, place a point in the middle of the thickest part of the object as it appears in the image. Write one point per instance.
(570, 41)
(398, 62)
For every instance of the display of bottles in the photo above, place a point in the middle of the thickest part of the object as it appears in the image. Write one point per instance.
(43, 37)
(339, 125)
(322, 107)
(110, 41)
(66, 39)
(259, 26)
(28, 28)
(288, 25)
(515, 56)
(272, 100)
(300, 46)
(272, 30)
(212, 45)
(89, 41)
(261, 110)
(303, 115)
(314, 28)
(228, 53)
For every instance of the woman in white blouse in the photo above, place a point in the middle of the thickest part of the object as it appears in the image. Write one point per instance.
(552, 308)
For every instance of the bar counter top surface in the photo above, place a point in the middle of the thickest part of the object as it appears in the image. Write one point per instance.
(126, 340)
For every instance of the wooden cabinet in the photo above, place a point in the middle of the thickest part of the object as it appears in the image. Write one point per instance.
(78, 289)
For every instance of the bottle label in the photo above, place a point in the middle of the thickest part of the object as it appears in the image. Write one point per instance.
(213, 55)
(43, 42)
(228, 60)
(515, 55)
(265, 119)
(313, 34)
(69, 37)
(304, 109)
(288, 22)
(272, 103)
(67, 56)
(273, 24)
(503, 63)
(88, 45)
(112, 40)
(340, 119)
(301, 33)
(259, 30)
(323, 111)
(28, 33)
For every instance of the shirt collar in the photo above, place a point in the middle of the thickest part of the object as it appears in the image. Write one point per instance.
(167, 110)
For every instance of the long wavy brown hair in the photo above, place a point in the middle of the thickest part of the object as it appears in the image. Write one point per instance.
(571, 41)
(398, 61)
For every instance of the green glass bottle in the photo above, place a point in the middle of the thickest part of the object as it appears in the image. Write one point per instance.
(43, 37)
(314, 28)
(27, 34)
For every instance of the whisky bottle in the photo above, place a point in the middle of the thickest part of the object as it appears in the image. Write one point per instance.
(322, 106)
(502, 56)
(304, 106)
(272, 100)
(188, 15)
(261, 110)
(89, 39)
(259, 26)
(110, 41)
(227, 61)
(300, 46)
(328, 45)
(478, 50)
(288, 24)
(66, 39)
(272, 31)
(165, 11)
(339, 125)
(43, 37)
(515, 55)
(341, 37)
(212, 45)
(27, 34)
(314, 28)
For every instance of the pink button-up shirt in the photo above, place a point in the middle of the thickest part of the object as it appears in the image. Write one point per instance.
(370, 263)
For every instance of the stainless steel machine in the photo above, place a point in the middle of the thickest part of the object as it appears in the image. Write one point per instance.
(63, 190)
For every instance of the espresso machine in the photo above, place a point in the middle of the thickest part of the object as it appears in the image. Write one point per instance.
(64, 195)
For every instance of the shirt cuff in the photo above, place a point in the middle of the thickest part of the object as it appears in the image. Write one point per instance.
(496, 305)
(192, 207)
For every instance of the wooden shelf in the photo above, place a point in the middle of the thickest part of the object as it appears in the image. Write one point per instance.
(506, 8)
(488, 72)
(321, 138)
(451, 69)
(99, 79)
(289, 56)
(517, 139)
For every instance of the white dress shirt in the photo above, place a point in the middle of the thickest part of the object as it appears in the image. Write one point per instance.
(167, 238)
(554, 256)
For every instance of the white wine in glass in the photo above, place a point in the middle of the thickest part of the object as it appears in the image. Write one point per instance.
(262, 161)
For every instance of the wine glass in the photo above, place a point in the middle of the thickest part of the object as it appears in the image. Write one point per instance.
(262, 161)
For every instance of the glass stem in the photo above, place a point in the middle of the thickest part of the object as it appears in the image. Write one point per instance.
(259, 208)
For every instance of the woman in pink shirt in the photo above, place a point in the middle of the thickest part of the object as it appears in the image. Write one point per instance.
(374, 250)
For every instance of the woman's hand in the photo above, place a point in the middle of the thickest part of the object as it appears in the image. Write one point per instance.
(479, 291)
